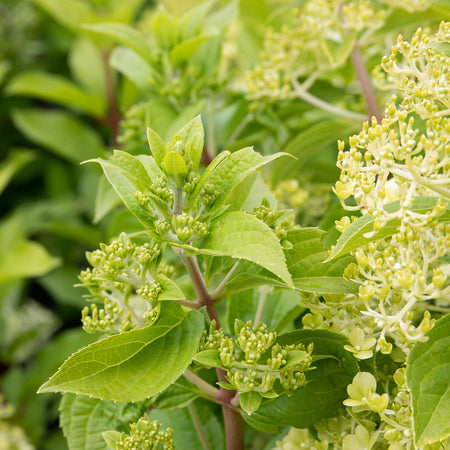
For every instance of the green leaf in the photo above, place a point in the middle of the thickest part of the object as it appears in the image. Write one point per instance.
(192, 137)
(428, 379)
(54, 88)
(338, 53)
(127, 174)
(184, 51)
(324, 391)
(125, 35)
(306, 262)
(112, 438)
(86, 65)
(175, 166)
(17, 159)
(70, 13)
(24, 260)
(170, 289)
(157, 147)
(233, 169)
(251, 193)
(243, 236)
(310, 272)
(185, 434)
(249, 401)
(59, 132)
(84, 419)
(209, 358)
(134, 365)
(106, 199)
(134, 67)
(308, 144)
(356, 235)
(178, 395)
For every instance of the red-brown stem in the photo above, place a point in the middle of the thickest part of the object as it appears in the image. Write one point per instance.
(366, 84)
(234, 425)
(113, 117)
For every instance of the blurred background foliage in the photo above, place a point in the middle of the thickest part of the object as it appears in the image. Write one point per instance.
(81, 77)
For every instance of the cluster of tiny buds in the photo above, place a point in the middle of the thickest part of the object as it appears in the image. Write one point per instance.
(146, 435)
(281, 222)
(121, 270)
(247, 364)
(186, 227)
(299, 49)
(102, 320)
(420, 70)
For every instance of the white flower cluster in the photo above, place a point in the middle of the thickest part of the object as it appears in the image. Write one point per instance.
(398, 172)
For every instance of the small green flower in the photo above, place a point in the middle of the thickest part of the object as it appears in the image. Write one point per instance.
(361, 346)
(360, 440)
(362, 393)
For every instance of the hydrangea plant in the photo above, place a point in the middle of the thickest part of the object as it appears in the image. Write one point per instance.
(220, 301)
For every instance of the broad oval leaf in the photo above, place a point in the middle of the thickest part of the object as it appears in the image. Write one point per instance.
(125, 35)
(355, 235)
(84, 419)
(57, 89)
(134, 365)
(306, 262)
(307, 144)
(233, 169)
(128, 174)
(133, 67)
(243, 236)
(69, 138)
(428, 379)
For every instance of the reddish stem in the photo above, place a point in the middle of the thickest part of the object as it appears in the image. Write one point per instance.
(234, 425)
(366, 85)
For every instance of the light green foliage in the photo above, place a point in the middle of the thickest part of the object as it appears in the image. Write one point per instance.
(213, 293)
(112, 369)
(427, 377)
(241, 235)
(70, 138)
(56, 89)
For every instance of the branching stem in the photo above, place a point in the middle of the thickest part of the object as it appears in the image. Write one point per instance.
(300, 92)
(213, 392)
(264, 292)
(234, 426)
(215, 295)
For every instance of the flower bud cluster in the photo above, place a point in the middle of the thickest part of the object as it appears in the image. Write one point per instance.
(421, 71)
(146, 435)
(255, 362)
(281, 221)
(306, 47)
(123, 280)
(388, 169)
(186, 227)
